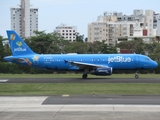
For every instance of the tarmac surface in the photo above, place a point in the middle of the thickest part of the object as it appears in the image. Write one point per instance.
(103, 99)
(37, 108)
(80, 80)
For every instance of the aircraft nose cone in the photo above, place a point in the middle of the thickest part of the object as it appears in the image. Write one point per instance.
(155, 64)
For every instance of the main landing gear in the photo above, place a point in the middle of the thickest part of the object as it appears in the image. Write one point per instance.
(84, 76)
(136, 75)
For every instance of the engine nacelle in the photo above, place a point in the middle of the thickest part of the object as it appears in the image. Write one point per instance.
(102, 71)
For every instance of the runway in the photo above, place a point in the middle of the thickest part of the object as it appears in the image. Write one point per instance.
(39, 108)
(80, 107)
(80, 80)
(103, 99)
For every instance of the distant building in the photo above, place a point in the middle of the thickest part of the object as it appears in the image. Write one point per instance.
(145, 22)
(24, 20)
(109, 31)
(111, 27)
(68, 32)
(146, 39)
(156, 23)
(5, 42)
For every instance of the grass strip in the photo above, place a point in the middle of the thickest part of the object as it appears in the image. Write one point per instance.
(80, 88)
(76, 76)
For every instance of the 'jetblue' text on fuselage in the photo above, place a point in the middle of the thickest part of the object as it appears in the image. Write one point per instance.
(119, 59)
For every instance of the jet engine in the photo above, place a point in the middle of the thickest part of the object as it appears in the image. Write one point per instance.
(102, 71)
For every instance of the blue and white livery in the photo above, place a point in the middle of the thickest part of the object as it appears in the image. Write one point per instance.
(97, 64)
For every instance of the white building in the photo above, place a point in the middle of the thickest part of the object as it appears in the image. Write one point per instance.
(68, 32)
(109, 31)
(144, 21)
(5, 42)
(24, 20)
(156, 23)
(113, 27)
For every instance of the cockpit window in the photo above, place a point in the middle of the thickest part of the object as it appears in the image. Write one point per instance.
(147, 58)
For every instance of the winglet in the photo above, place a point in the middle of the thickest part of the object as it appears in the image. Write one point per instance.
(17, 45)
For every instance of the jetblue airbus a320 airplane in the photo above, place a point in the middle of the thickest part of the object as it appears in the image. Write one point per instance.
(97, 64)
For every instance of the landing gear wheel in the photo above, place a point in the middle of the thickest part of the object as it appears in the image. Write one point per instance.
(84, 76)
(136, 76)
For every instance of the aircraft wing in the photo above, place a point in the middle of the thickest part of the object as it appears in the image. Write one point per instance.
(83, 65)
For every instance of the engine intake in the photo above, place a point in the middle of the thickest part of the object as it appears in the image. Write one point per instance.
(102, 71)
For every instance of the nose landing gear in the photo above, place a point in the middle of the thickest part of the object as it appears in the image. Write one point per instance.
(136, 75)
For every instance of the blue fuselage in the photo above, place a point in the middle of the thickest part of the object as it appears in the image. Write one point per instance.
(62, 61)
(97, 64)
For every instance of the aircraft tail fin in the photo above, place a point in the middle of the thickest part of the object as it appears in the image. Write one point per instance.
(17, 45)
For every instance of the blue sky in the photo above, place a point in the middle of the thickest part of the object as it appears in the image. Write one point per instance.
(73, 12)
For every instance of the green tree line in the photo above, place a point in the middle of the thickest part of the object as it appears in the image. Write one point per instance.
(54, 43)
